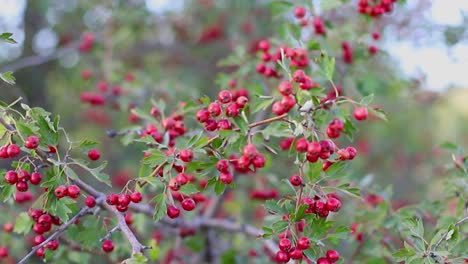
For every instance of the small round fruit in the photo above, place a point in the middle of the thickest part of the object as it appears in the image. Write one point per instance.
(323, 260)
(73, 191)
(108, 245)
(36, 178)
(333, 255)
(226, 177)
(222, 165)
(295, 254)
(302, 145)
(172, 212)
(22, 186)
(8, 227)
(285, 244)
(303, 243)
(112, 199)
(299, 12)
(3, 252)
(32, 142)
(181, 178)
(94, 154)
(90, 201)
(124, 199)
(136, 197)
(333, 204)
(225, 96)
(13, 151)
(282, 257)
(186, 155)
(188, 204)
(174, 184)
(295, 180)
(11, 177)
(38, 239)
(40, 252)
(360, 113)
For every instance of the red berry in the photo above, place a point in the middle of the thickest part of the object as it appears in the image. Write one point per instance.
(299, 12)
(323, 261)
(22, 186)
(285, 88)
(295, 254)
(90, 201)
(38, 239)
(136, 197)
(112, 199)
(241, 101)
(13, 151)
(128, 218)
(31, 142)
(108, 245)
(202, 115)
(11, 177)
(222, 165)
(45, 220)
(373, 50)
(155, 112)
(376, 35)
(282, 257)
(124, 200)
(188, 204)
(121, 207)
(299, 76)
(303, 243)
(3, 152)
(285, 244)
(40, 252)
(225, 96)
(259, 161)
(352, 152)
(52, 245)
(8, 227)
(226, 177)
(174, 184)
(94, 154)
(360, 113)
(232, 110)
(73, 191)
(214, 109)
(23, 175)
(278, 108)
(295, 180)
(35, 214)
(36, 178)
(333, 204)
(264, 45)
(249, 151)
(186, 155)
(302, 145)
(60, 191)
(314, 148)
(172, 211)
(333, 255)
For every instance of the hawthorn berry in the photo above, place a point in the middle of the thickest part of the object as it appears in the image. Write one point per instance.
(299, 12)
(124, 200)
(44, 220)
(172, 211)
(174, 184)
(282, 257)
(73, 191)
(241, 101)
(22, 186)
(295, 254)
(186, 155)
(128, 218)
(90, 201)
(136, 197)
(284, 244)
(3, 252)
(112, 199)
(226, 177)
(38, 239)
(360, 113)
(302, 145)
(333, 255)
(155, 112)
(264, 45)
(222, 165)
(225, 96)
(3, 152)
(40, 252)
(107, 245)
(202, 115)
(214, 109)
(35, 178)
(303, 243)
(333, 204)
(11, 177)
(94, 154)
(323, 260)
(188, 204)
(13, 151)
(32, 142)
(295, 180)
(249, 151)
(52, 245)
(122, 207)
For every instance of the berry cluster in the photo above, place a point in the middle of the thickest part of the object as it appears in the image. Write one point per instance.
(331, 257)
(347, 52)
(319, 26)
(229, 104)
(287, 251)
(71, 191)
(123, 200)
(250, 156)
(375, 8)
(9, 151)
(335, 128)
(21, 179)
(320, 207)
(267, 67)
(42, 224)
(225, 175)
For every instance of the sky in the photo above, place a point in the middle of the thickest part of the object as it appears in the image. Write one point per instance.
(442, 67)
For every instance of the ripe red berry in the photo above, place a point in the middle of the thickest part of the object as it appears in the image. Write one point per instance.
(202, 115)
(373, 50)
(285, 244)
(295, 180)
(333, 255)
(360, 113)
(282, 257)
(333, 204)
(259, 161)
(90, 201)
(73, 191)
(241, 101)
(225, 96)
(188, 204)
(302, 145)
(112, 199)
(299, 76)
(45, 220)
(222, 165)
(108, 245)
(124, 200)
(121, 207)
(94, 154)
(376, 35)
(23, 175)
(352, 152)
(22, 186)
(8, 227)
(155, 112)
(31, 142)
(60, 191)
(36, 178)
(314, 148)
(40, 252)
(278, 108)
(285, 88)
(303, 243)
(226, 177)
(136, 197)
(295, 254)
(128, 218)
(52, 245)
(174, 184)
(323, 260)
(264, 45)
(38, 239)
(299, 12)
(13, 151)
(249, 151)
(186, 155)
(172, 211)
(214, 109)
(3, 252)
(11, 177)
(3, 152)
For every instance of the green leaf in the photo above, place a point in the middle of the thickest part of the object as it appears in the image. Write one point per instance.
(365, 101)
(23, 223)
(70, 173)
(279, 7)
(315, 170)
(8, 77)
(349, 129)
(449, 146)
(46, 130)
(189, 189)
(136, 259)
(262, 104)
(25, 130)
(161, 207)
(327, 66)
(7, 37)
(300, 213)
(219, 187)
(241, 124)
(404, 254)
(96, 172)
(87, 145)
(155, 250)
(279, 226)
(7, 192)
(313, 45)
(378, 113)
(272, 206)
(295, 30)
(335, 169)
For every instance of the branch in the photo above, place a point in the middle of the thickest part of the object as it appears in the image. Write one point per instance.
(446, 234)
(84, 211)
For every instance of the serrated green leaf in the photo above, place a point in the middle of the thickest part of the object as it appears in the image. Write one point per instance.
(189, 189)
(365, 101)
(272, 206)
(262, 104)
(23, 223)
(6, 36)
(161, 207)
(219, 187)
(279, 226)
(8, 77)
(95, 172)
(155, 251)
